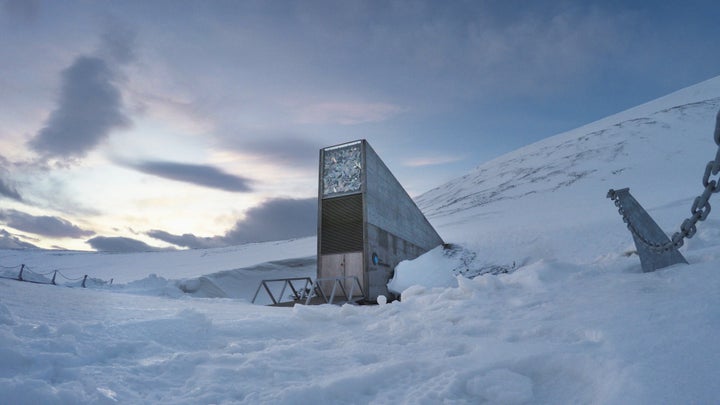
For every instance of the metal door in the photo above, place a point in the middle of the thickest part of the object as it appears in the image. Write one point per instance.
(342, 265)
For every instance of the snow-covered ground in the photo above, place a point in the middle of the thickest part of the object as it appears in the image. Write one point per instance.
(231, 272)
(574, 321)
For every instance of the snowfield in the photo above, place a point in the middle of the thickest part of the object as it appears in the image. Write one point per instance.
(574, 320)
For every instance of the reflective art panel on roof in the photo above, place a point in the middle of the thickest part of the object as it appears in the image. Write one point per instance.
(342, 169)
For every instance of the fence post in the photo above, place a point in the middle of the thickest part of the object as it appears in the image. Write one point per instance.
(53, 280)
(84, 278)
(22, 267)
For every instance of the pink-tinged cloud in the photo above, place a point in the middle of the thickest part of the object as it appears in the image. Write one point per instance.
(432, 161)
(347, 113)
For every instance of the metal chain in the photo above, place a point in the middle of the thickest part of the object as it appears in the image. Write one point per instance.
(700, 208)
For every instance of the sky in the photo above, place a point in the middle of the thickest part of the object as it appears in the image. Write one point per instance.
(130, 126)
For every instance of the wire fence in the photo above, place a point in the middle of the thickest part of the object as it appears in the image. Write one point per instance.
(24, 273)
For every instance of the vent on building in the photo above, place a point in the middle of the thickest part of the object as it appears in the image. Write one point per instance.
(342, 224)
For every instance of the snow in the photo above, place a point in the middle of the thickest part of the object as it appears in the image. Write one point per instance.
(563, 315)
(232, 272)
(126, 267)
(430, 269)
(548, 333)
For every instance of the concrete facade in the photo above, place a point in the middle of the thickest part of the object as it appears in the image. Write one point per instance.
(374, 207)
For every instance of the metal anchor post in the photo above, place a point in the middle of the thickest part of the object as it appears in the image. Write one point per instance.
(655, 249)
(646, 233)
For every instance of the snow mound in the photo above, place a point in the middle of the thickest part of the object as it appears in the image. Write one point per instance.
(237, 283)
(440, 267)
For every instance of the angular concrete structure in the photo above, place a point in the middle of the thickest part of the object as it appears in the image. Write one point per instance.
(367, 223)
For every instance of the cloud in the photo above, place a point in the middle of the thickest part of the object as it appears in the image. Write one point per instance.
(277, 219)
(42, 225)
(433, 160)
(117, 43)
(10, 241)
(119, 244)
(89, 108)
(202, 175)
(9, 191)
(188, 240)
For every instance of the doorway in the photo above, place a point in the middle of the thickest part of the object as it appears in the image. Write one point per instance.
(342, 265)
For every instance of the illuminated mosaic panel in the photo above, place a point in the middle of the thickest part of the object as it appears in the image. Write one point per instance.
(342, 169)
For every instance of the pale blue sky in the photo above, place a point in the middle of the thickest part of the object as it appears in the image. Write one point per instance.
(198, 123)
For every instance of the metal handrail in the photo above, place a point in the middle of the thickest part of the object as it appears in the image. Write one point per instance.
(337, 281)
(286, 282)
(311, 289)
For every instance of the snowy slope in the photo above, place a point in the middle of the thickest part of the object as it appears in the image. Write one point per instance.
(575, 322)
(532, 202)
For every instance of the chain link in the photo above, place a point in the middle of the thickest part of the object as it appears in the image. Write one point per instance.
(700, 208)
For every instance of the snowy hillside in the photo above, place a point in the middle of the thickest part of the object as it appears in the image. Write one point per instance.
(575, 322)
(547, 200)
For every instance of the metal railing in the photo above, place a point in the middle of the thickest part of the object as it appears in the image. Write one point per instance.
(337, 282)
(309, 290)
(297, 293)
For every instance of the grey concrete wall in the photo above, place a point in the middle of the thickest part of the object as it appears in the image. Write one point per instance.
(391, 250)
(389, 207)
(396, 229)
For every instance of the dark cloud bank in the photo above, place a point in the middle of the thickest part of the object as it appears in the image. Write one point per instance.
(10, 241)
(119, 244)
(202, 175)
(42, 225)
(277, 219)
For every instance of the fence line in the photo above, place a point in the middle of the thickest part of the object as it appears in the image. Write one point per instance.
(28, 275)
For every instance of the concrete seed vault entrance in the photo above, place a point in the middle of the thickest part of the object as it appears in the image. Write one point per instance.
(367, 223)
